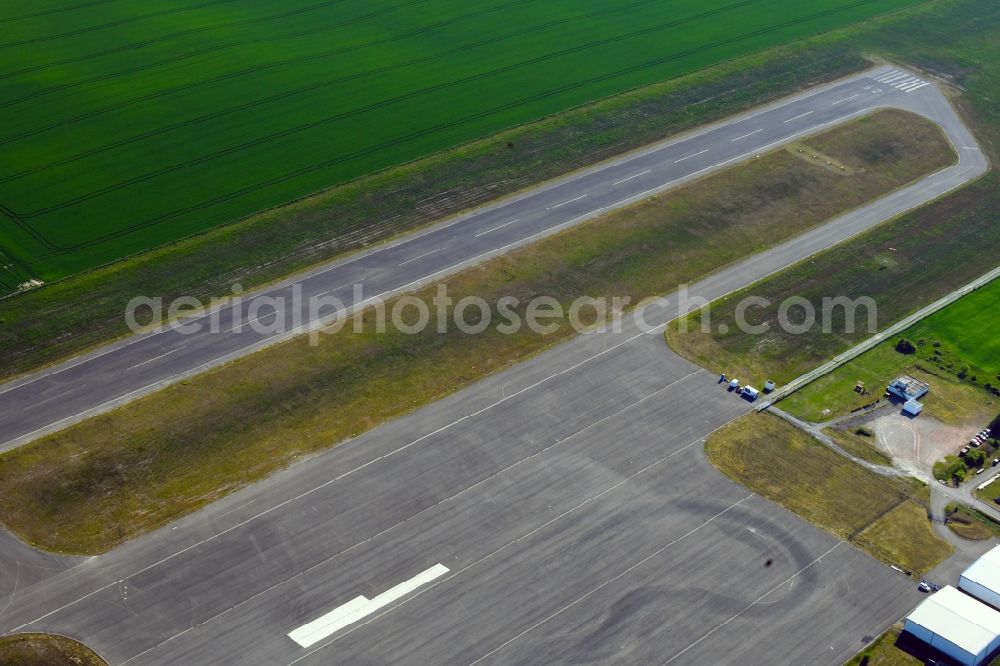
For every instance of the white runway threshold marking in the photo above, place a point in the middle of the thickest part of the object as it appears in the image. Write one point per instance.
(359, 608)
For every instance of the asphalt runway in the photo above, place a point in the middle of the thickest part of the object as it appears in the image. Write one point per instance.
(571, 503)
(568, 498)
(46, 401)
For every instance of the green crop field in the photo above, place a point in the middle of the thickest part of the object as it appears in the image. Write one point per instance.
(125, 125)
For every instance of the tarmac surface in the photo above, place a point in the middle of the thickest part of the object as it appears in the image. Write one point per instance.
(56, 397)
(568, 497)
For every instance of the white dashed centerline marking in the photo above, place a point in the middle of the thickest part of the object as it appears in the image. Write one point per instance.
(846, 99)
(625, 180)
(489, 231)
(58, 395)
(425, 254)
(740, 138)
(329, 291)
(690, 156)
(238, 326)
(156, 358)
(570, 201)
(801, 115)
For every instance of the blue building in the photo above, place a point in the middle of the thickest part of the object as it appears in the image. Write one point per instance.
(907, 388)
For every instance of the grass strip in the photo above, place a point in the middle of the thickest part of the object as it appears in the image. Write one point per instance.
(883, 652)
(857, 444)
(905, 537)
(902, 266)
(971, 523)
(99, 482)
(33, 649)
(955, 350)
(884, 516)
(909, 262)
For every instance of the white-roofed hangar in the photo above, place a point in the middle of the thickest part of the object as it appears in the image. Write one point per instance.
(956, 625)
(982, 579)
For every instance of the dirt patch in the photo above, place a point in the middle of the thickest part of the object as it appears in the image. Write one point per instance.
(915, 444)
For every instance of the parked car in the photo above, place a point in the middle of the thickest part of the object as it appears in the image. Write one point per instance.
(980, 471)
(924, 587)
(996, 500)
(996, 461)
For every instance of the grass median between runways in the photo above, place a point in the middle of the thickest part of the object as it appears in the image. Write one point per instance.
(902, 266)
(99, 482)
(883, 515)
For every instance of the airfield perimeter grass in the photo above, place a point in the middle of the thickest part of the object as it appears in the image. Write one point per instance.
(884, 516)
(883, 652)
(83, 311)
(971, 523)
(126, 125)
(961, 338)
(903, 265)
(953, 38)
(32, 649)
(858, 445)
(80, 312)
(91, 486)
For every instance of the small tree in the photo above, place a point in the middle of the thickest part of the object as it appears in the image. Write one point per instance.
(904, 346)
(950, 468)
(976, 457)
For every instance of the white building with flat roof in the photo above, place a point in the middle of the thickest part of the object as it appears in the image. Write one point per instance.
(957, 625)
(982, 579)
